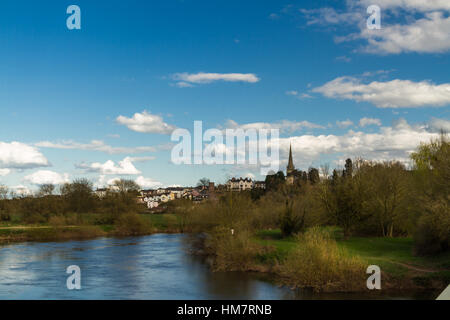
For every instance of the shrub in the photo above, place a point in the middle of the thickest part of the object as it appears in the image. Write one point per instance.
(289, 223)
(132, 224)
(57, 221)
(318, 263)
(433, 232)
(233, 252)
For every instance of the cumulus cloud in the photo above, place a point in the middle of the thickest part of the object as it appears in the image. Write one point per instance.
(327, 16)
(21, 156)
(424, 27)
(94, 145)
(4, 172)
(283, 125)
(395, 142)
(389, 94)
(124, 167)
(21, 190)
(147, 183)
(146, 122)
(438, 125)
(188, 79)
(46, 177)
(426, 35)
(417, 5)
(369, 121)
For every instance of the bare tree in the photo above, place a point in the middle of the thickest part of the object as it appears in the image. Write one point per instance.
(203, 182)
(3, 192)
(46, 189)
(126, 186)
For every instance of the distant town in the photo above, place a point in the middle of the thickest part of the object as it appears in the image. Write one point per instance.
(206, 189)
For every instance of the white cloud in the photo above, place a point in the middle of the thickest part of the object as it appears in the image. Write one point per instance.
(21, 190)
(142, 159)
(327, 16)
(343, 58)
(47, 177)
(437, 125)
(21, 156)
(418, 5)
(369, 121)
(94, 145)
(390, 94)
(395, 142)
(283, 125)
(187, 79)
(147, 183)
(183, 84)
(426, 35)
(4, 172)
(124, 167)
(147, 123)
(344, 124)
(424, 27)
(298, 94)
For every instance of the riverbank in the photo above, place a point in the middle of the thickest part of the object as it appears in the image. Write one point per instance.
(338, 265)
(268, 252)
(90, 228)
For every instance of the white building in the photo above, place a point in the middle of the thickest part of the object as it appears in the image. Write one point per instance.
(240, 184)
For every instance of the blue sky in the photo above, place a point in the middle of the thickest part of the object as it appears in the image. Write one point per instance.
(310, 62)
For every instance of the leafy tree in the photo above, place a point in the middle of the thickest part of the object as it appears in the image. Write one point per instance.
(348, 171)
(274, 181)
(313, 175)
(78, 195)
(289, 222)
(432, 176)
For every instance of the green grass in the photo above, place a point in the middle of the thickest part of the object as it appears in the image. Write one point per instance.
(388, 253)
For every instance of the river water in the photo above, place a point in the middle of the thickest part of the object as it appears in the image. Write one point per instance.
(149, 267)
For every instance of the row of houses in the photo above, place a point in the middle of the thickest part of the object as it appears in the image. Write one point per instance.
(243, 184)
(153, 198)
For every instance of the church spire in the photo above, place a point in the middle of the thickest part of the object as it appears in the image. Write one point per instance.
(290, 166)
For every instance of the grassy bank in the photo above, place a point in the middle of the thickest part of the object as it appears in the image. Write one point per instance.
(89, 226)
(400, 268)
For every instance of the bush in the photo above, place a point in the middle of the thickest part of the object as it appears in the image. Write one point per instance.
(289, 223)
(233, 252)
(132, 224)
(318, 263)
(433, 233)
(57, 221)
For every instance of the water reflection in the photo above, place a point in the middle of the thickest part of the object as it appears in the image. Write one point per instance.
(152, 267)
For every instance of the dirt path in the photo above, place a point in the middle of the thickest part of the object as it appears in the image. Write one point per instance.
(409, 266)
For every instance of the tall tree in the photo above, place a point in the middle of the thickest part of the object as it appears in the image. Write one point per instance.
(46, 189)
(203, 182)
(126, 186)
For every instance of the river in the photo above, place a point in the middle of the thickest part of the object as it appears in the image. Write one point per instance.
(149, 267)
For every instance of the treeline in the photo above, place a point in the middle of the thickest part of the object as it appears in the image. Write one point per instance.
(366, 198)
(67, 207)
